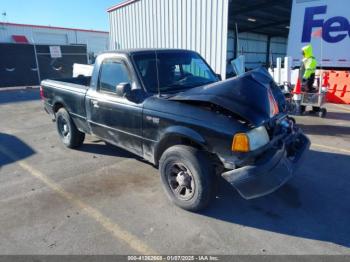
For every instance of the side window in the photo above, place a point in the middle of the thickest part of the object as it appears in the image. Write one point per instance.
(112, 74)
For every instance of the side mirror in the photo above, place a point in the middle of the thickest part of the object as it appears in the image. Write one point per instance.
(219, 76)
(123, 89)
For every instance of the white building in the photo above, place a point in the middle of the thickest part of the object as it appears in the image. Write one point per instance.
(96, 41)
(205, 26)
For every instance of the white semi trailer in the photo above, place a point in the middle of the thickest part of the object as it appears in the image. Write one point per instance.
(326, 25)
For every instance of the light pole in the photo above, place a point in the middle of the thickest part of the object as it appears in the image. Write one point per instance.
(4, 14)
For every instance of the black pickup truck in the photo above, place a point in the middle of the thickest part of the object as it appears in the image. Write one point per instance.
(170, 108)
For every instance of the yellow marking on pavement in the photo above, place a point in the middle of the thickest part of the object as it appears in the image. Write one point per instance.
(331, 148)
(121, 234)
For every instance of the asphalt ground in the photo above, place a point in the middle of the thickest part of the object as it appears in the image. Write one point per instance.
(103, 200)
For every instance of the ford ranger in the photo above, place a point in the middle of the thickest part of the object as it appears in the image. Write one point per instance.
(171, 109)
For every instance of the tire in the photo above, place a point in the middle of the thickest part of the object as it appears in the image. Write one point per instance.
(193, 169)
(322, 113)
(316, 109)
(292, 119)
(68, 132)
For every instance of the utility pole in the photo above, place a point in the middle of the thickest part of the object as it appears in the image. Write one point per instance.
(3, 19)
(4, 14)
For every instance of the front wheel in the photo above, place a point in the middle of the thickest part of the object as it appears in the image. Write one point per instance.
(68, 132)
(187, 177)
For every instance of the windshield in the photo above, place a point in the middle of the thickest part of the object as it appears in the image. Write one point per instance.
(177, 71)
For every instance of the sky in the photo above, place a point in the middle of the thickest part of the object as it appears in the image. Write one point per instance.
(88, 14)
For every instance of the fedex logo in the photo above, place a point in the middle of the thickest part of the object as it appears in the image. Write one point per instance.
(334, 29)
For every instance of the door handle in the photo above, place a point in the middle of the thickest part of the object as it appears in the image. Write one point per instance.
(95, 103)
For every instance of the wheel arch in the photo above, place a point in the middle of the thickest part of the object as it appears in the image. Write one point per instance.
(179, 136)
(57, 105)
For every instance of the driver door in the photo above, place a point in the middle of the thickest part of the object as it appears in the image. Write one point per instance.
(112, 117)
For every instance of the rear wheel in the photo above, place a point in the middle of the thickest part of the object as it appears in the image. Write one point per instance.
(68, 132)
(187, 177)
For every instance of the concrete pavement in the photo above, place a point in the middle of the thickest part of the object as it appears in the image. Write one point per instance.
(102, 200)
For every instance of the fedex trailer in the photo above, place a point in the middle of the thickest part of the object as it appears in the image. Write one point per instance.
(326, 25)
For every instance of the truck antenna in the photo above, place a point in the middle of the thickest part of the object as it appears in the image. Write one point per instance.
(157, 69)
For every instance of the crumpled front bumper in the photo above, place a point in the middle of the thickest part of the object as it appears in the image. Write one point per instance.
(275, 167)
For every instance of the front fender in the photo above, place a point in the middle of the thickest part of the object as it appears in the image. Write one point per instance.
(172, 133)
(186, 132)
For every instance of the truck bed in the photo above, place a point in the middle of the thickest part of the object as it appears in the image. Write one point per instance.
(70, 93)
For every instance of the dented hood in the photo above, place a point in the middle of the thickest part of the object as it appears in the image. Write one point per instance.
(248, 95)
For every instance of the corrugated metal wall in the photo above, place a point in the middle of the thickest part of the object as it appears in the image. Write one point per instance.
(199, 25)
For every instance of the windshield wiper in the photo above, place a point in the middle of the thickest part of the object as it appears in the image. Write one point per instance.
(176, 87)
(200, 84)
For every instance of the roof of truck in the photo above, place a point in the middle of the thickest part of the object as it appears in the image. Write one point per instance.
(144, 50)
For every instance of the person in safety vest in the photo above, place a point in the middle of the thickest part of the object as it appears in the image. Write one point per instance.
(307, 69)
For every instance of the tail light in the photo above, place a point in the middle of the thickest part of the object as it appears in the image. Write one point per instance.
(41, 92)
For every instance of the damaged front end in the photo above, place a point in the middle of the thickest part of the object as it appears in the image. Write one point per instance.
(248, 96)
(265, 171)
(255, 98)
